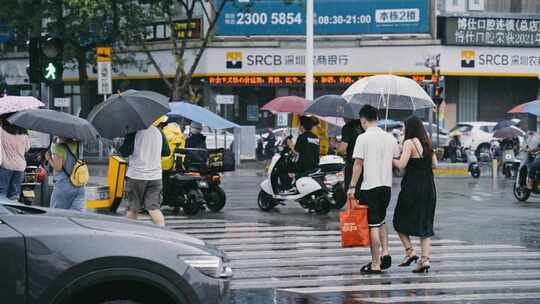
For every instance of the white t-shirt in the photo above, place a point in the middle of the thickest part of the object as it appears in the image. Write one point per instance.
(377, 148)
(145, 162)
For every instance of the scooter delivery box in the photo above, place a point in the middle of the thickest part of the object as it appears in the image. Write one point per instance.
(191, 159)
(221, 160)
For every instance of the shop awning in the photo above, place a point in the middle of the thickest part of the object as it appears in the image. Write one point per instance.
(201, 115)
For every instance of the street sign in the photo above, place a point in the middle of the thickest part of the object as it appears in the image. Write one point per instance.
(225, 99)
(104, 78)
(104, 54)
(282, 119)
(62, 102)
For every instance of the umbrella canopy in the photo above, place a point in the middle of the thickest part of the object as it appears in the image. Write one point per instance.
(200, 115)
(287, 104)
(128, 112)
(55, 123)
(509, 132)
(389, 124)
(506, 123)
(388, 92)
(532, 107)
(333, 106)
(10, 104)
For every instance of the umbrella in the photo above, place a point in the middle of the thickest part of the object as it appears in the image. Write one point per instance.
(334, 106)
(388, 92)
(532, 107)
(55, 123)
(128, 112)
(506, 123)
(200, 115)
(287, 104)
(389, 123)
(10, 104)
(509, 132)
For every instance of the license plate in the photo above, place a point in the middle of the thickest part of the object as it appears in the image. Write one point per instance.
(28, 193)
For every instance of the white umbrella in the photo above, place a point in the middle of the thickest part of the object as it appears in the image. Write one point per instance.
(390, 92)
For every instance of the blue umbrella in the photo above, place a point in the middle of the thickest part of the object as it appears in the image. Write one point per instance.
(200, 115)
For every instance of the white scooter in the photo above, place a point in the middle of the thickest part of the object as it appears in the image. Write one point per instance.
(312, 190)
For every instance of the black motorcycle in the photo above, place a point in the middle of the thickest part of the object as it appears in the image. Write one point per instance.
(184, 191)
(521, 191)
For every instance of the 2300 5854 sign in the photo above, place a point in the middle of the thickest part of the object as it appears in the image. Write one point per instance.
(248, 18)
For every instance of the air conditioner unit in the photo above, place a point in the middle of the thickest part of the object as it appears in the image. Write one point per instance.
(476, 5)
(455, 6)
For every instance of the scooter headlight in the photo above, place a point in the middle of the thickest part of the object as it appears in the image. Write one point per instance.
(202, 184)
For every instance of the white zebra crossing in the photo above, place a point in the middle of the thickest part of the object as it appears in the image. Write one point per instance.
(298, 262)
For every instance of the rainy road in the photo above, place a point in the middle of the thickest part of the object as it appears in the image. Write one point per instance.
(486, 249)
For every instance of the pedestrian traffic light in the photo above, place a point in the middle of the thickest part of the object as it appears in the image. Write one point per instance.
(34, 69)
(52, 66)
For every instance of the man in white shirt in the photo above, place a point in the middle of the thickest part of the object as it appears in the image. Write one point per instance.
(373, 154)
(143, 183)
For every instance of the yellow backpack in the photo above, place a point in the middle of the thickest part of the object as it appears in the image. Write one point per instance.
(80, 175)
(176, 139)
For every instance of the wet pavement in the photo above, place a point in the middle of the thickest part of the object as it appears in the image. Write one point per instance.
(486, 249)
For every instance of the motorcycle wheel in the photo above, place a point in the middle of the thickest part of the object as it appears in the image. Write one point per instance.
(521, 193)
(339, 197)
(191, 208)
(265, 201)
(475, 173)
(321, 205)
(215, 199)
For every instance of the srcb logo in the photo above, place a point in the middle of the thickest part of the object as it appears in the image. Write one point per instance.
(234, 60)
(467, 58)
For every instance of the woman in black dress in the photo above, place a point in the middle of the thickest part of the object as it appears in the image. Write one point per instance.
(415, 209)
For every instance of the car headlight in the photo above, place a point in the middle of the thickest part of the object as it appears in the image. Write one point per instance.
(211, 266)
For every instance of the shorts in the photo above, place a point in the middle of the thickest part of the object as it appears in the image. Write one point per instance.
(377, 200)
(141, 194)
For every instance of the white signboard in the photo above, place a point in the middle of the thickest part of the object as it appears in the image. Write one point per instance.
(104, 78)
(225, 99)
(282, 119)
(62, 102)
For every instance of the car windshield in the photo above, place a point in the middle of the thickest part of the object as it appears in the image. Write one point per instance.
(487, 129)
(462, 128)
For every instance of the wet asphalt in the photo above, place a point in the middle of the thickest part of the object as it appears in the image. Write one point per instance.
(486, 248)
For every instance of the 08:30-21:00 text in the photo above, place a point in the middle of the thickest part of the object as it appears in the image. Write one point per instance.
(247, 18)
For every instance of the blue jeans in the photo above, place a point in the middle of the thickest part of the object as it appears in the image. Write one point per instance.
(10, 183)
(65, 195)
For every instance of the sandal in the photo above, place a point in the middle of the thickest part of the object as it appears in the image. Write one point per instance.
(423, 266)
(367, 270)
(409, 258)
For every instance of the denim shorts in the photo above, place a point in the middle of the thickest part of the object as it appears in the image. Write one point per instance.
(65, 195)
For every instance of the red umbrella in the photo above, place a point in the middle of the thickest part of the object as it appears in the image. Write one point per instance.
(287, 104)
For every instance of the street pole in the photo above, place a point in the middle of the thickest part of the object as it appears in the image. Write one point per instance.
(309, 50)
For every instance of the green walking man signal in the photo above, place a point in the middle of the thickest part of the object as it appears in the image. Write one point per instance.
(46, 62)
(51, 72)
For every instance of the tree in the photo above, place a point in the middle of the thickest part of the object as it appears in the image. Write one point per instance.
(180, 85)
(82, 25)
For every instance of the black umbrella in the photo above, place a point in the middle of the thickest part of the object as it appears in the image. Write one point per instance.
(509, 132)
(506, 123)
(333, 106)
(128, 112)
(55, 123)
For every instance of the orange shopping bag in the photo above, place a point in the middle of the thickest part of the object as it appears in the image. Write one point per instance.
(354, 225)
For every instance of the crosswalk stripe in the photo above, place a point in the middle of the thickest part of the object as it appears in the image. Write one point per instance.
(342, 280)
(249, 274)
(517, 284)
(267, 234)
(276, 254)
(461, 297)
(313, 261)
(186, 220)
(227, 230)
(317, 245)
(194, 226)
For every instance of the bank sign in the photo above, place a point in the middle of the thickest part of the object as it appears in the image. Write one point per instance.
(331, 17)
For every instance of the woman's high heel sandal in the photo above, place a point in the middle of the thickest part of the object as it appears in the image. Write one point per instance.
(423, 266)
(409, 258)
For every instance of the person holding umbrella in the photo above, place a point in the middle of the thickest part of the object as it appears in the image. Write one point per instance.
(196, 139)
(15, 142)
(62, 156)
